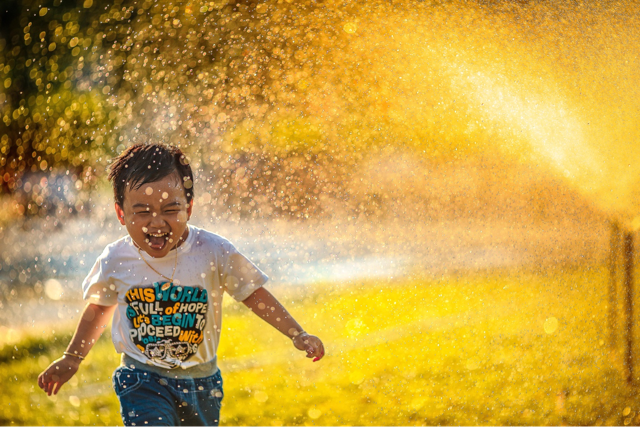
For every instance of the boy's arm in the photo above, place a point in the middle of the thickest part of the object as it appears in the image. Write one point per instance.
(93, 322)
(267, 307)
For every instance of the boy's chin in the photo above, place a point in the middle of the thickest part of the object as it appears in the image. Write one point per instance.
(157, 253)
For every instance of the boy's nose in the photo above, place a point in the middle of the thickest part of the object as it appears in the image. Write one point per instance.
(156, 221)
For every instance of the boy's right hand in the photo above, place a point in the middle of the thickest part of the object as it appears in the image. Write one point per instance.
(58, 373)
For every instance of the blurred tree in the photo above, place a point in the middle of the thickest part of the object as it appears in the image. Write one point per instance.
(57, 106)
(81, 80)
(293, 93)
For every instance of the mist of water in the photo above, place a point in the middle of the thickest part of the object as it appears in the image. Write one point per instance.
(551, 85)
(252, 88)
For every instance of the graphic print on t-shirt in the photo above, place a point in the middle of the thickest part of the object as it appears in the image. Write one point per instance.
(167, 321)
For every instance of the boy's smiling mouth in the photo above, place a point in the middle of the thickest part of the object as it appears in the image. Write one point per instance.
(158, 240)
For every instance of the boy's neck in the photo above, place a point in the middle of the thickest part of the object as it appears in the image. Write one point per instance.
(183, 238)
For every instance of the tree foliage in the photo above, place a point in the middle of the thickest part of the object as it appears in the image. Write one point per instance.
(254, 85)
(81, 78)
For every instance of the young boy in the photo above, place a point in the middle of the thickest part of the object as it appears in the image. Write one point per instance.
(163, 284)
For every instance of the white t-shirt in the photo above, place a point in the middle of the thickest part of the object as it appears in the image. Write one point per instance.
(170, 325)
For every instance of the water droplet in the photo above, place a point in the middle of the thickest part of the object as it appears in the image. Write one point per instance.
(74, 401)
(350, 28)
(53, 289)
(314, 413)
(550, 325)
(261, 396)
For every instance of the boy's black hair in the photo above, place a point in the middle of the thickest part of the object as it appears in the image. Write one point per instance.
(146, 163)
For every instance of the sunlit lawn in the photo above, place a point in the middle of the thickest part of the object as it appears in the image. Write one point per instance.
(469, 349)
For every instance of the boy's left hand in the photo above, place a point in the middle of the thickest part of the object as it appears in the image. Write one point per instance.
(312, 344)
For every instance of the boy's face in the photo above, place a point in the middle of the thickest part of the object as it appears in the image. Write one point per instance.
(156, 215)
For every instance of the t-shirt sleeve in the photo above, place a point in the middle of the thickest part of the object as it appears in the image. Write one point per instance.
(96, 287)
(239, 276)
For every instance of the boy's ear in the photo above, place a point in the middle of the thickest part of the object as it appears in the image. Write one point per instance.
(120, 214)
(189, 210)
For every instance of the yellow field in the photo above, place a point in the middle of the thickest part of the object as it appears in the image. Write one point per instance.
(475, 349)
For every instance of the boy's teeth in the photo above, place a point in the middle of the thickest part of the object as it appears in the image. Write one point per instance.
(156, 240)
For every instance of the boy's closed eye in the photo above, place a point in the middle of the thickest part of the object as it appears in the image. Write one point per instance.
(140, 209)
(173, 207)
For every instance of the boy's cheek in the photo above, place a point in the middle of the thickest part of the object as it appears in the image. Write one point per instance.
(182, 217)
(133, 230)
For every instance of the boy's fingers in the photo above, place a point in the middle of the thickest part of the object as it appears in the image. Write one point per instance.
(320, 353)
(314, 348)
(316, 352)
(45, 384)
(57, 387)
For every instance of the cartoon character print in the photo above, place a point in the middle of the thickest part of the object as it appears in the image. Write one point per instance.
(167, 321)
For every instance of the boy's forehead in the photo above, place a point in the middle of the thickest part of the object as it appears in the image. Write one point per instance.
(169, 183)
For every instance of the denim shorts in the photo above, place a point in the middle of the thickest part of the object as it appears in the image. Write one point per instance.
(149, 399)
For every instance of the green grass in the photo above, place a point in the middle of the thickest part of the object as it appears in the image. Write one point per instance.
(459, 350)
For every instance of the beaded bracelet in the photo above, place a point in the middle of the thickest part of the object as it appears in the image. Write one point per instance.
(71, 354)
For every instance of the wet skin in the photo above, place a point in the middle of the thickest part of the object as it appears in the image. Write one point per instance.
(156, 215)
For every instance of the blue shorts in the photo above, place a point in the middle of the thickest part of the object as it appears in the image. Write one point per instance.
(149, 399)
